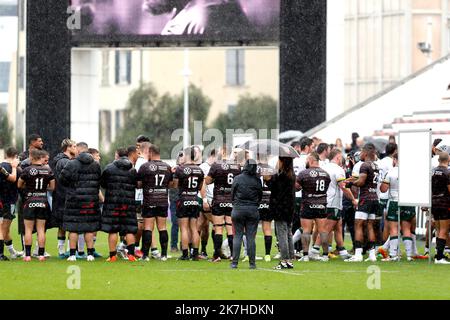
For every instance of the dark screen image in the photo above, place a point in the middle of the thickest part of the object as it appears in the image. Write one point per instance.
(213, 20)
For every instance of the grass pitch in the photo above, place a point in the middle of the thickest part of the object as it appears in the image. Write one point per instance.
(188, 280)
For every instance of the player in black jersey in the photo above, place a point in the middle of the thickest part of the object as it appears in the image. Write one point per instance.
(441, 204)
(36, 180)
(8, 198)
(155, 178)
(222, 174)
(188, 178)
(368, 202)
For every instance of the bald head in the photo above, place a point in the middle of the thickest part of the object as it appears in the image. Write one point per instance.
(444, 158)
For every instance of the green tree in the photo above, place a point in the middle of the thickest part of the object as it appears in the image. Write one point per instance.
(5, 131)
(157, 117)
(250, 113)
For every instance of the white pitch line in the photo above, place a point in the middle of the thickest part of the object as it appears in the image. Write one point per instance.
(280, 271)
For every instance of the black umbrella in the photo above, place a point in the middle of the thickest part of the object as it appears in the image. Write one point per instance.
(269, 148)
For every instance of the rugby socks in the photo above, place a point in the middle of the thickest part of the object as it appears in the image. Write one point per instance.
(2, 247)
(230, 243)
(297, 235)
(90, 251)
(185, 253)
(414, 244)
(408, 246)
(268, 244)
(393, 246)
(306, 238)
(81, 243)
(9, 246)
(358, 249)
(440, 247)
(195, 252)
(61, 242)
(112, 254)
(73, 252)
(204, 245)
(386, 244)
(217, 244)
(41, 251)
(28, 250)
(164, 241)
(371, 247)
(146, 242)
(130, 249)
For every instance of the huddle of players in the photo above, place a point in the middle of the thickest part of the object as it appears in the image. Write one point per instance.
(323, 183)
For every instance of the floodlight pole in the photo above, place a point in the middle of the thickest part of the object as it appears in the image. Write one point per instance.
(186, 74)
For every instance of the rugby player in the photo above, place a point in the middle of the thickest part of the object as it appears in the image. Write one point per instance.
(8, 198)
(206, 216)
(36, 180)
(222, 174)
(188, 178)
(336, 192)
(69, 152)
(119, 179)
(313, 182)
(265, 215)
(390, 183)
(441, 205)
(368, 203)
(155, 178)
(323, 149)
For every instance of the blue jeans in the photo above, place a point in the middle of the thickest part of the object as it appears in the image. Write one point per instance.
(174, 229)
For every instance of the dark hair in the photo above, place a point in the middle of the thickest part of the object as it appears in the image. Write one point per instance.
(142, 138)
(355, 136)
(93, 151)
(322, 147)
(11, 152)
(334, 153)
(82, 145)
(391, 148)
(154, 149)
(436, 142)
(44, 153)
(370, 149)
(131, 149)
(287, 167)
(122, 152)
(295, 144)
(305, 142)
(33, 137)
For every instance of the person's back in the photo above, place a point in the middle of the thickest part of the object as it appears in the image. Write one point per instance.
(282, 197)
(119, 181)
(82, 177)
(247, 188)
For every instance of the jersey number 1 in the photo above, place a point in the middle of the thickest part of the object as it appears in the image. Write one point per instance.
(320, 185)
(193, 182)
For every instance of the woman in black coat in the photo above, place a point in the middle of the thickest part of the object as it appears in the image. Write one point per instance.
(246, 195)
(282, 204)
(119, 179)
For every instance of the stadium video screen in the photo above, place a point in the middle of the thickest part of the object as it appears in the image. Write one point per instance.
(177, 20)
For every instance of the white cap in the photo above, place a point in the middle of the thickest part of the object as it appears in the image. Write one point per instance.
(444, 147)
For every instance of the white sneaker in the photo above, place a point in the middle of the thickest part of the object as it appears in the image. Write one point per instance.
(259, 258)
(323, 259)
(345, 256)
(156, 255)
(72, 258)
(442, 261)
(146, 259)
(163, 258)
(304, 259)
(90, 258)
(354, 259)
(277, 256)
(13, 254)
(409, 259)
(314, 257)
(391, 259)
(122, 254)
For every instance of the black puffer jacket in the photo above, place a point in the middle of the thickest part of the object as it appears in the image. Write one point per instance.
(247, 189)
(81, 176)
(59, 194)
(119, 210)
(282, 197)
